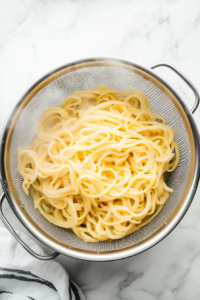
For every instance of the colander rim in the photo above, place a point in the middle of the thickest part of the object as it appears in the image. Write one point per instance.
(124, 253)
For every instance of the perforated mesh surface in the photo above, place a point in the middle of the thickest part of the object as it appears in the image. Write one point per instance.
(54, 94)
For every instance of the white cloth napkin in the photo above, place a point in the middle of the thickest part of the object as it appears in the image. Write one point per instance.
(23, 277)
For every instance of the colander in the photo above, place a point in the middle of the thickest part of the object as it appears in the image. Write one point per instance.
(51, 90)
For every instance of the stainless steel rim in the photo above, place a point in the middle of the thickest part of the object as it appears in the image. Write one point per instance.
(101, 256)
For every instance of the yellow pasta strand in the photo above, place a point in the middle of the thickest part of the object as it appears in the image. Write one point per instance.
(97, 163)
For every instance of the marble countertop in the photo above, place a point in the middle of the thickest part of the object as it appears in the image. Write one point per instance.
(36, 36)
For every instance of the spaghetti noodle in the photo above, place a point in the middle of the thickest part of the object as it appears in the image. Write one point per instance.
(97, 163)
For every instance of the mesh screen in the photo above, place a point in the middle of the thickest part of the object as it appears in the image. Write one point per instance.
(54, 94)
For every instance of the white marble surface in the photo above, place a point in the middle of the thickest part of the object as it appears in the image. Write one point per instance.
(37, 35)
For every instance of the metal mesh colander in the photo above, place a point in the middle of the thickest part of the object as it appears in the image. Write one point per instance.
(89, 77)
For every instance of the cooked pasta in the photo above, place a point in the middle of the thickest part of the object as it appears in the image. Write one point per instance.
(97, 164)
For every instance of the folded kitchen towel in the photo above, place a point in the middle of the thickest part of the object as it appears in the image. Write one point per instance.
(23, 277)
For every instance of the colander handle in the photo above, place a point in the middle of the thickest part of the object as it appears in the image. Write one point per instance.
(189, 83)
(14, 234)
